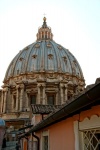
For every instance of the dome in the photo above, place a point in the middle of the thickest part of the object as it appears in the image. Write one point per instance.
(44, 55)
(2, 122)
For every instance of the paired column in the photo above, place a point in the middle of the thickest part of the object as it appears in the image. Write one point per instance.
(41, 35)
(17, 97)
(57, 98)
(38, 86)
(13, 106)
(21, 96)
(47, 35)
(50, 36)
(43, 102)
(2, 101)
(38, 36)
(41, 91)
(5, 100)
(61, 93)
(44, 34)
(66, 91)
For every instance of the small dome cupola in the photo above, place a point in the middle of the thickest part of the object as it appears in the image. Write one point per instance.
(44, 32)
(44, 23)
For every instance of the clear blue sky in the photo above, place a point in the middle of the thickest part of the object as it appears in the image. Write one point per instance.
(75, 25)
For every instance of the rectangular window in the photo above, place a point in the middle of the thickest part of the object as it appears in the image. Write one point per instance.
(91, 139)
(33, 99)
(45, 142)
(50, 100)
(14, 98)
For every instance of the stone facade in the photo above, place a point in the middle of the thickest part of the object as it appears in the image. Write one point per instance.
(16, 98)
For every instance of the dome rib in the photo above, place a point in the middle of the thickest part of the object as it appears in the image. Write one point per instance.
(67, 53)
(79, 68)
(42, 57)
(57, 56)
(11, 67)
(28, 57)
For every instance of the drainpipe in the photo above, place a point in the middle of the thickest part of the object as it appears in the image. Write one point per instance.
(27, 141)
(19, 141)
(38, 140)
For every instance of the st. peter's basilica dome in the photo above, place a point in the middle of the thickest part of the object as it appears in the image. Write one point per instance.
(43, 74)
(44, 55)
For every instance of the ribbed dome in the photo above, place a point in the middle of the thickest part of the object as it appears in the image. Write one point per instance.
(44, 55)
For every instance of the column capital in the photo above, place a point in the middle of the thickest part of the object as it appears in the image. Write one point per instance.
(61, 85)
(43, 84)
(17, 86)
(5, 89)
(22, 86)
(66, 85)
(38, 85)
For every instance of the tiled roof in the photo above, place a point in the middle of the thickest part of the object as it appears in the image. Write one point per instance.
(44, 109)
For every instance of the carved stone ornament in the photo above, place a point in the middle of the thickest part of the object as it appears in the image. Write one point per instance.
(61, 85)
(49, 45)
(21, 58)
(50, 56)
(22, 86)
(52, 76)
(5, 89)
(26, 48)
(34, 56)
(59, 47)
(37, 46)
(33, 76)
(64, 58)
(17, 86)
